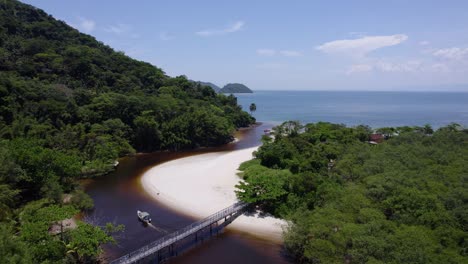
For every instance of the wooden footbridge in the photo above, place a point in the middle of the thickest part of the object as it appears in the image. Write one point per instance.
(164, 247)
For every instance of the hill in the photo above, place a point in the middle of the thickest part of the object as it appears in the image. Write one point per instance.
(56, 76)
(69, 107)
(235, 88)
(212, 85)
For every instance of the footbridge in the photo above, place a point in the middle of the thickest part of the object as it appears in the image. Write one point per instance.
(166, 246)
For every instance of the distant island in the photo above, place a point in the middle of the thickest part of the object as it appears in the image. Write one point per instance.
(235, 88)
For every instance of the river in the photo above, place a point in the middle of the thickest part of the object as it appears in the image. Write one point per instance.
(119, 194)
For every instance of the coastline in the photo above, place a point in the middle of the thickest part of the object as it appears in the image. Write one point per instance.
(203, 184)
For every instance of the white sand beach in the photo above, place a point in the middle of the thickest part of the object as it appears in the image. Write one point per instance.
(204, 184)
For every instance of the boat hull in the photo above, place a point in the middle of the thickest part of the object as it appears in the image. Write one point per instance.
(144, 217)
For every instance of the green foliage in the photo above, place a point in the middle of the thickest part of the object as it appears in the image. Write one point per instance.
(82, 243)
(57, 82)
(235, 88)
(82, 200)
(12, 249)
(85, 241)
(401, 201)
(7, 201)
(252, 108)
(36, 219)
(70, 106)
(262, 185)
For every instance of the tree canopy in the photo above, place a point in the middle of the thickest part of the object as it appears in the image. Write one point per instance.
(401, 201)
(69, 107)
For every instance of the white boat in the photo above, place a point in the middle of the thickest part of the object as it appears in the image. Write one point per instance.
(144, 216)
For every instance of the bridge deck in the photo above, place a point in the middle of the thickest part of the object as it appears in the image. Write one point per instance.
(180, 234)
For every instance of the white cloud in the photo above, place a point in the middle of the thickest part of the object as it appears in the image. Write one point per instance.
(361, 46)
(407, 66)
(424, 43)
(85, 25)
(452, 53)
(359, 68)
(118, 29)
(266, 52)
(165, 36)
(290, 53)
(392, 66)
(237, 26)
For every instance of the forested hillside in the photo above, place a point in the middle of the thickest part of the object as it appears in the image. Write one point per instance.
(401, 201)
(69, 107)
(212, 85)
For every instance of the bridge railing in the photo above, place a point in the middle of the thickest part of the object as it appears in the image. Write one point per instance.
(167, 240)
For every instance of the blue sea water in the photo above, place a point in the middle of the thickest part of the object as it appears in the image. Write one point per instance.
(376, 109)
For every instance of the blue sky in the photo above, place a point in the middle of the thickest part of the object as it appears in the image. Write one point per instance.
(287, 45)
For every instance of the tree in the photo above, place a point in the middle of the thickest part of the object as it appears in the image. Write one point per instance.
(402, 201)
(428, 129)
(12, 249)
(7, 198)
(263, 186)
(148, 135)
(252, 108)
(36, 219)
(86, 240)
(69, 107)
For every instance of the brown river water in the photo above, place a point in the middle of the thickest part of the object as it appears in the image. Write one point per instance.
(118, 195)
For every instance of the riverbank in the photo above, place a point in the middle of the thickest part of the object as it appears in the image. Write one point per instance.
(203, 184)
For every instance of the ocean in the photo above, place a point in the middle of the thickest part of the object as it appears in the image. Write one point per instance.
(376, 109)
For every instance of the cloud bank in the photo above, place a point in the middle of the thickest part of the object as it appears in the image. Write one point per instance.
(237, 26)
(361, 46)
(266, 52)
(452, 53)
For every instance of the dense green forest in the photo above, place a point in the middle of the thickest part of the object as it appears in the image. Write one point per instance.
(69, 107)
(404, 200)
(212, 85)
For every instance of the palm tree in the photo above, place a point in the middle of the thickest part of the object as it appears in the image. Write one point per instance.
(427, 129)
(252, 108)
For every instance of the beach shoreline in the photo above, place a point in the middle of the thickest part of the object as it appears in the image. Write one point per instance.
(204, 184)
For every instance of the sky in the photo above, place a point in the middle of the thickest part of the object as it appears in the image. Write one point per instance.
(415, 45)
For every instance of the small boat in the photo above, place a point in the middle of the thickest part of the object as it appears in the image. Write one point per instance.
(144, 216)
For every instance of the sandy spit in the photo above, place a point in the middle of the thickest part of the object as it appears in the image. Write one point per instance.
(204, 184)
